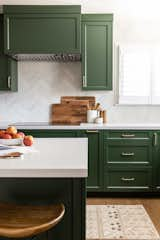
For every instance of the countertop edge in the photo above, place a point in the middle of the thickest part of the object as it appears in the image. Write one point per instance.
(109, 126)
(43, 173)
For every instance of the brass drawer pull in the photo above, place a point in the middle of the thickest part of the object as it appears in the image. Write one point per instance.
(128, 135)
(127, 179)
(92, 131)
(127, 154)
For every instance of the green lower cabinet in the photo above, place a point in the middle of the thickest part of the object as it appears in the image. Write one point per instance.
(128, 161)
(95, 152)
(118, 161)
(95, 159)
(97, 51)
(8, 66)
(128, 180)
(156, 160)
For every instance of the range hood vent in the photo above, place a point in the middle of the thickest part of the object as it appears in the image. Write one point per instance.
(48, 57)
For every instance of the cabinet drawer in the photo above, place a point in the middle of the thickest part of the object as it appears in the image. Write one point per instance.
(130, 154)
(120, 180)
(126, 134)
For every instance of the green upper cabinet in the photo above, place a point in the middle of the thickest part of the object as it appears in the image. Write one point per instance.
(42, 29)
(8, 66)
(97, 51)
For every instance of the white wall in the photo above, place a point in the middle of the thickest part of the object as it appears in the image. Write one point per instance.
(41, 84)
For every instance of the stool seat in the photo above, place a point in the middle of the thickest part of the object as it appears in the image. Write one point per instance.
(18, 221)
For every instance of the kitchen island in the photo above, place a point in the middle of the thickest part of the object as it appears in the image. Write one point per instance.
(53, 172)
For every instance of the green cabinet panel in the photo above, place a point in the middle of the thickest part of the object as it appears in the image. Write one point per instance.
(130, 154)
(95, 159)
(128, 180)
(41, 29)
(44, 133)
(156, 160)
(8, 66)
(97, 51)
(127, 134)
(128, 151)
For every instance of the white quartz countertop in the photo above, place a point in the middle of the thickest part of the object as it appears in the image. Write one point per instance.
(85, 126)
(51, 157)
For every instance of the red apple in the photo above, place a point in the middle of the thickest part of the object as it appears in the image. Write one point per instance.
(22, 134)
(6, 136)
(11, 130)
(17, 135)
(28, 140)
(2, 133)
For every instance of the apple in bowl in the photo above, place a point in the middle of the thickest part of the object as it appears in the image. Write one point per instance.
(11, 136)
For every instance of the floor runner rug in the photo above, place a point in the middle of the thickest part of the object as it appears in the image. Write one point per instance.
(125, 222)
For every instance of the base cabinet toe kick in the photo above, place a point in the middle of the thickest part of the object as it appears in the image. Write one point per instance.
(118, 160)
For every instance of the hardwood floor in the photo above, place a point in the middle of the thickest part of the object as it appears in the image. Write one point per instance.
(152, 205)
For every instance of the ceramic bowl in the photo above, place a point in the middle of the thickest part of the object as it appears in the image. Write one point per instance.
(12, 142)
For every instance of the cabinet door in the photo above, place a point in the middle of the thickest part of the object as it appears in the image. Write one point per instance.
(8, 66)
(95, 160)
(97, 52)
(42, 33)
(156, 160)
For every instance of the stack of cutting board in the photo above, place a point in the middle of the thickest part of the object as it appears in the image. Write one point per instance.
(72, 110)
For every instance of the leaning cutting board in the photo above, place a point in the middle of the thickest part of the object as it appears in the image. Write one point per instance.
(91, 99)
(74, 112)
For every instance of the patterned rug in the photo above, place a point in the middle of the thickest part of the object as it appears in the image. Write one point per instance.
(119, 222)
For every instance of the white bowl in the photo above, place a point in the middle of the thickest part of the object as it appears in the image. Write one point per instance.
(12, 142)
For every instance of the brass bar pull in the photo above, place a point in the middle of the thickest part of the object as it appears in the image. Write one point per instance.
(128, 135)
(8, 32)
(9, 82)
(92, 131)
(127, 179)
(155, 139)
(84, 82)
(126, 154)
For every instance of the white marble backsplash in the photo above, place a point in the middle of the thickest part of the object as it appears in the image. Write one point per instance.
(42, 83)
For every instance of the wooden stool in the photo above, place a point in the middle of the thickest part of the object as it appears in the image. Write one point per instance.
(18, 221)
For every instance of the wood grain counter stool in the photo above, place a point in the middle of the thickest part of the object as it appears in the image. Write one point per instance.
(20, 221)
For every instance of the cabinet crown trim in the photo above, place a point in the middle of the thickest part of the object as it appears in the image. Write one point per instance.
(97, 17)
(46, 9)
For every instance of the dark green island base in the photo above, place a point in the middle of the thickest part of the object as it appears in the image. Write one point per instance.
(70, 191)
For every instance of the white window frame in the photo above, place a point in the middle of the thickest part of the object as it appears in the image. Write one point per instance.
(150, 99)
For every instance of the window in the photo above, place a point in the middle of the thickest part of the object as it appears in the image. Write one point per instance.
(139, 75)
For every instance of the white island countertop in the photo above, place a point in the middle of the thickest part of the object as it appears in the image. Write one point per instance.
(51, 157)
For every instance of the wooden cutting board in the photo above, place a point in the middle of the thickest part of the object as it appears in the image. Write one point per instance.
(73, 112)
(68, 99)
